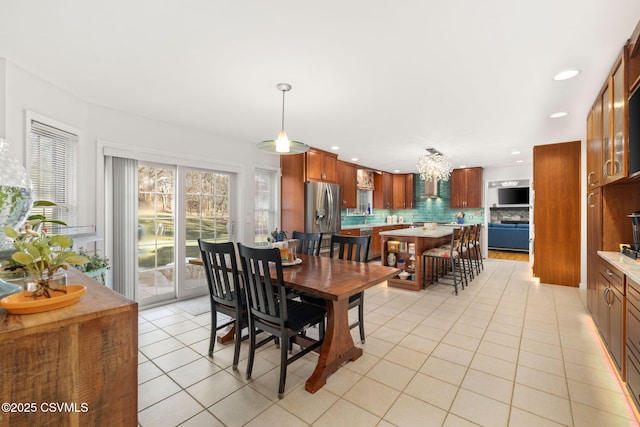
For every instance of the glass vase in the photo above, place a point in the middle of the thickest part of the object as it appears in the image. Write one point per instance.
(16, 194)
(43, 285)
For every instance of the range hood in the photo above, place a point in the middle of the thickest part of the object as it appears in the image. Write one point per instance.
(430, 189)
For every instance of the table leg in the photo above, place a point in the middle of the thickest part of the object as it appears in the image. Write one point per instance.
(337, 348)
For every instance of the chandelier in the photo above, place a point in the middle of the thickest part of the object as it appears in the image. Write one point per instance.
(434, 166)
(282, 145)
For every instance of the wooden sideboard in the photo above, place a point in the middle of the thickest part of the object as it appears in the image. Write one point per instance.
(74, 366)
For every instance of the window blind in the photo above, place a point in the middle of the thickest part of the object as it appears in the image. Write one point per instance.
(52, 168)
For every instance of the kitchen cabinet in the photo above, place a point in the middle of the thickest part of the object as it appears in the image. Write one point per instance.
(350, 232)
(321, 165)
(466, 188)
(610, 312)
(594, 145)
(594, 244)
(403, 197)
(383, 193)
(614, 98)
(347, 178)
(633, 339)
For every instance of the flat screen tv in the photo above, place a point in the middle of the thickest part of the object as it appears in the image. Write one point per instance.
(513, 196)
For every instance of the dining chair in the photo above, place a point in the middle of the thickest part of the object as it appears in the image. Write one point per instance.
(308, 243)
(272, 312)
(226, 293)
(445, 259)
(353, 248)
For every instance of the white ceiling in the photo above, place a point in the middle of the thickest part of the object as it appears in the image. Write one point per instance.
(381, 79)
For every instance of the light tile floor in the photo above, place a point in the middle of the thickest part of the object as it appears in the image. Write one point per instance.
(505, 352)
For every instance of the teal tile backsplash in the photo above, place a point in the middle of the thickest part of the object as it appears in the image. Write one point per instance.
(426, 210)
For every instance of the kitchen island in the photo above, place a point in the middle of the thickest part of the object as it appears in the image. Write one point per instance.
(408, 242)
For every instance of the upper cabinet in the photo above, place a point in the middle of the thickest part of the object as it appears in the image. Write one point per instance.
(321, 166)
(403, 197)
(466, 188)
(614, 98)
(347, 178)
(594, 145)
(383, 193)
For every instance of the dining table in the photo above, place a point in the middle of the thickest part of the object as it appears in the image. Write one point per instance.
(333, 280)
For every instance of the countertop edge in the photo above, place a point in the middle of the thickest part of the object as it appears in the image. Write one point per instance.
(622, 262)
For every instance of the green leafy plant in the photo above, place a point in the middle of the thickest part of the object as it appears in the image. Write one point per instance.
(95, 261)
(42, 254)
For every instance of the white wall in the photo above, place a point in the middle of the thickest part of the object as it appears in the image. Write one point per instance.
(100, 126)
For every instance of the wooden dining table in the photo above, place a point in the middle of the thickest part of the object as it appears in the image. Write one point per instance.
(334, 280)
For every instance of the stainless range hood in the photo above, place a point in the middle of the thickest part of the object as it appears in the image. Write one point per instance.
(430, 189)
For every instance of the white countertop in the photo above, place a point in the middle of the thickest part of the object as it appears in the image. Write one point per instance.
(622, 262)
(440, 231)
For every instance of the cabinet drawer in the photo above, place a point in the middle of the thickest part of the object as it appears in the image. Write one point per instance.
(613, 276)
(633, 293)
(633, 328)
(633, 375)
(350, 232)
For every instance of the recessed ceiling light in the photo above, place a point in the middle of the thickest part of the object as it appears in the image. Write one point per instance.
(462, 166)
(519, 161)
(558, 114)
(354, 159)
(566, 74)
(515, 153)
(396, 171)
(335, 147)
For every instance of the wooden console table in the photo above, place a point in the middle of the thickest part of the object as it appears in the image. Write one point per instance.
(74, 366)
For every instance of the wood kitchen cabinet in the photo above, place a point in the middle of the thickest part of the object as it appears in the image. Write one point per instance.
(347, 178)
(403, 197)
(632, 365)
(321, 165)
(594, 145)
(383, 193)
(466, 188)
(594, 244)
(614, 98)
(611, 311)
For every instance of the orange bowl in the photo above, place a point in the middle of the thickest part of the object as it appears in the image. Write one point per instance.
(24, 303)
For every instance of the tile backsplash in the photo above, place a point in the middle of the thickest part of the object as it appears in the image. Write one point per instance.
(426, 209)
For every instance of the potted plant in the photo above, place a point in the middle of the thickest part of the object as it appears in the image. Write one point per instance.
(96, 266)
(42, 255)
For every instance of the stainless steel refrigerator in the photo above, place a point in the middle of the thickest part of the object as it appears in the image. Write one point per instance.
(322, 210)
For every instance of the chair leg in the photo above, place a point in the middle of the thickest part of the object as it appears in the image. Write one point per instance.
(455, 277)
(238, 340)
(361, 317)
(214, 322)
(252, 348)
(283, 368)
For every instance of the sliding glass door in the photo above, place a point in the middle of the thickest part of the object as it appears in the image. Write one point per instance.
(176, 207)
(156, 232)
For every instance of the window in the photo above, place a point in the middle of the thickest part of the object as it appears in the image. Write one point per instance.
(265, 205)
(52, 153)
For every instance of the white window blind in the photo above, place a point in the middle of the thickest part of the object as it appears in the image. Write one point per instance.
(52, 165)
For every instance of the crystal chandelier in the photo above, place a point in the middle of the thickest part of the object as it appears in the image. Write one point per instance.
(434, 166)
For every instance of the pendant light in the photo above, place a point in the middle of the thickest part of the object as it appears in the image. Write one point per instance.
(283, 145)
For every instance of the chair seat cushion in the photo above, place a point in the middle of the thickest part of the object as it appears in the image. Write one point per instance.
(302, 314)
(441, 252)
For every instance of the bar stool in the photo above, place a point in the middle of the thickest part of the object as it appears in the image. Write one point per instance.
(446, 258)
